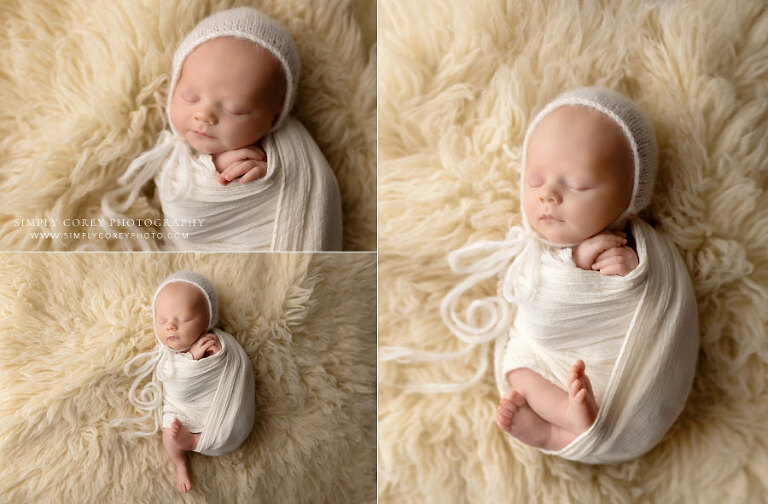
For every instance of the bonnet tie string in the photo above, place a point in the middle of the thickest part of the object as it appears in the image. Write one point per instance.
(484, 319)
(169, 146)
(159, 363)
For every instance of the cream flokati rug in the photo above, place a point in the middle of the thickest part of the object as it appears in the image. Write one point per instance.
(69, 322)
(83, 87)
(458, 83)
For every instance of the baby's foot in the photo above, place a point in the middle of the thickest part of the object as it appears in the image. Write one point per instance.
(182, 437)
(582, 406)
(183, 484)
(509, 407)
(516, 418)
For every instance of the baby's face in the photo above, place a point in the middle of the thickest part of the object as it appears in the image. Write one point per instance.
(228, 96)
(181, 315)
(578, 175)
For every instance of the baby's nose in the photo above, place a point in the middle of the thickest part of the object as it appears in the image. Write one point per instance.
(206, 117)
(550, 197)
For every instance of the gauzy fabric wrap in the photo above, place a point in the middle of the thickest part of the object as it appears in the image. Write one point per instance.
(213, 396)
(295, 206)
(637, 334)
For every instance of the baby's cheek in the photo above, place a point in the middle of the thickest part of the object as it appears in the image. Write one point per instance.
(177, 116)
(528, 206)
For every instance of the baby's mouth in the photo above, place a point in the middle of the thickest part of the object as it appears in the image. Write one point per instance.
(202, 134)
(549, 218)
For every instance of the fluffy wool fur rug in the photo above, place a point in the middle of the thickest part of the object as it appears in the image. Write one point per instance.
(69, 322)
(458, 83)
(83, 89)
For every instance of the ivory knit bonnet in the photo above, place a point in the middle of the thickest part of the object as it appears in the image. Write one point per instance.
(249, 24)
(636, 128)
(202, 284)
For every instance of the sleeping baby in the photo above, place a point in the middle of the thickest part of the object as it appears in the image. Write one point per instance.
(599, 357)
(235, 171)
(202, 379)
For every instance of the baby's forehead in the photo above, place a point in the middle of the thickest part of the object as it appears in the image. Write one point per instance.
(576, 129)
(179, 293)
(234, 66)
(225, 51)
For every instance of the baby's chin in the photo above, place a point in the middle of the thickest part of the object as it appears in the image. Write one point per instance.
(559, 237)
(204, 147)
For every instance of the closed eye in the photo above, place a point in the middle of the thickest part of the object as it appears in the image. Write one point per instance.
(236, 112)
(579, 185)
(189, 98)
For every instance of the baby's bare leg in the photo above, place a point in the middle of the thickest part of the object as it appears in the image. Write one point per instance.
(177, 440)
(574, 410)
(548, 400)
(515, 417)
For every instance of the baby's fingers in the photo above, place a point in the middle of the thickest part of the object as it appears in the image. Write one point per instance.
(615, 269)
(258, 171)
(233, 171)
(611, 252)
(620, 261)
(605, 241)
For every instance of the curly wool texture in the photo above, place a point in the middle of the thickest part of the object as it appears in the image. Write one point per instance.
(459, 83)
(69, 322)
(84, 85)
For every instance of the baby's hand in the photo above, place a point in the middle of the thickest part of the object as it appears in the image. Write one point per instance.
(207, 344)
(248, 163)
(586, 253)
(616, 261)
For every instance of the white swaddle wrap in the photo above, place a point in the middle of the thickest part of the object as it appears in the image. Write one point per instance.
(637, 334)
(213, 396)
(295, 206)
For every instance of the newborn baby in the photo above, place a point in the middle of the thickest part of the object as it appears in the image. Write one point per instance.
(207, 400)
(597, 359)
(234, 80)
(181, 320)
(593, 271)
(578, 182)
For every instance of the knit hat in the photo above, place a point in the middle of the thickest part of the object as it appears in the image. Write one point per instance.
(249, 24)
(203, 284)
(636, 128)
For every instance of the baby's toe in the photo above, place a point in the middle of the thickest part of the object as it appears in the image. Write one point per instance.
(576, 386)
(504, 412)
(517, 399)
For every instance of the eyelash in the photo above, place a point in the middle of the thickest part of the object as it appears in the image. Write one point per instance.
(195, 99)
(164, 320)
(569, 186)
